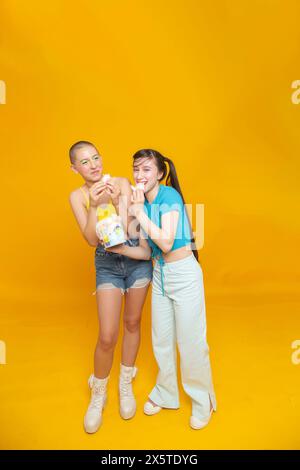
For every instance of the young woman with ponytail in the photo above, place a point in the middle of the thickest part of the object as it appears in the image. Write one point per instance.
(178, 302)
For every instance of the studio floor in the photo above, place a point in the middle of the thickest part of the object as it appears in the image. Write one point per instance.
(49, 351)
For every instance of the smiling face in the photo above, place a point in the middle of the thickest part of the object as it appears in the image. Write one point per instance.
(88, 163)
(145, 171)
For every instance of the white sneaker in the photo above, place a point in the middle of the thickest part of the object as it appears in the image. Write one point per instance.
(197, 423)
(126, 396)
(150, 409)
(93, 416)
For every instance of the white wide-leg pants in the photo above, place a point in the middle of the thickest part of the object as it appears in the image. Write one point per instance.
(179, 317)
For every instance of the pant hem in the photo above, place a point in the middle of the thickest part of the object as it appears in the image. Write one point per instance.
(163, 405)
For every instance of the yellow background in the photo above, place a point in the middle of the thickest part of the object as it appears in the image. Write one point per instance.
(209, 85)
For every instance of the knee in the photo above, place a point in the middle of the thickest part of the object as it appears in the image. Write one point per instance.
(194, 345)
(132, 325)
(106, 342)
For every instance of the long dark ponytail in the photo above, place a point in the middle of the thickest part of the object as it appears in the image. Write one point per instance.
(171, 177)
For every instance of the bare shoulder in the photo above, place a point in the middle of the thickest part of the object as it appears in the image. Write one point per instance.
(121, 181)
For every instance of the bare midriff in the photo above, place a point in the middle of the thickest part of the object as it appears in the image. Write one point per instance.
(176, 255)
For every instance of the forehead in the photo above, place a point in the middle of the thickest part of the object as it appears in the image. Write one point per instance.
(143, 162)
(86, 152)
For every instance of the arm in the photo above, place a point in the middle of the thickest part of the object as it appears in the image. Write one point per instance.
(124, 204)
(143, 251)
(120, 192)
(163, 237)
(87, 219)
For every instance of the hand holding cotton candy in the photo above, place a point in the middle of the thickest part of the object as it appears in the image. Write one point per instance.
(138, 186)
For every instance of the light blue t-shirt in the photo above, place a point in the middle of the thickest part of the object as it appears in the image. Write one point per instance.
(167, 200)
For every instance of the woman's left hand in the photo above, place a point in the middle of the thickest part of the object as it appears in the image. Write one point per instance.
(137, 202)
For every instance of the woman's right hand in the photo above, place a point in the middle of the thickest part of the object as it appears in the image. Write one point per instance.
(137, 202)
(96, 191)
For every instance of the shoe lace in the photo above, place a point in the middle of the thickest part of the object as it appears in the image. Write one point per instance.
(126, 388)
(98, 394)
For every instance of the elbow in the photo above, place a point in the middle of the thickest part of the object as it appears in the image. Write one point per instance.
(91, 239)
(166, 248)
(91, 242)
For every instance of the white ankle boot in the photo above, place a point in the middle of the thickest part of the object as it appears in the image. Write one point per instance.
(93, 416)
(127, 400)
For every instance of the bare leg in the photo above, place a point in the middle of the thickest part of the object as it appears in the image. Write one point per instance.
(109, 304)
(134, 302)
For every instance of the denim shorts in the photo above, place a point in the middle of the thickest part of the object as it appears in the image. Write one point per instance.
(115, 270)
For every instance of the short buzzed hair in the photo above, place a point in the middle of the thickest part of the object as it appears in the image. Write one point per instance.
(76, 146)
